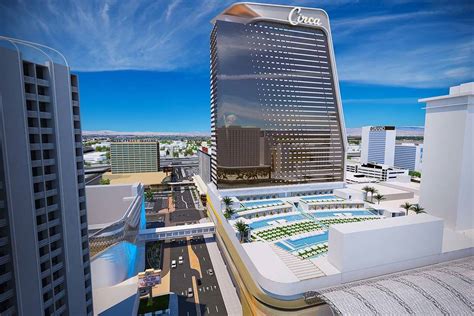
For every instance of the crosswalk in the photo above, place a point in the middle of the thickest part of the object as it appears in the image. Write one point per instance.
(301, 268)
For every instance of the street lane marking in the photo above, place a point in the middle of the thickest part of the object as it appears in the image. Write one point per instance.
(184, 275)
(208, 310)
(217, 310)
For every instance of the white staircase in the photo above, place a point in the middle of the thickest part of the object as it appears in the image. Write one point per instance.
(301, 268)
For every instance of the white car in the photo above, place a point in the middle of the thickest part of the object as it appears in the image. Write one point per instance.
(173, 264)
(180, 260)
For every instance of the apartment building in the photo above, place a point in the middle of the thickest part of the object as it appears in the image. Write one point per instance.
(135, 157)
(408, 156)
(44, 258)
(378, 145)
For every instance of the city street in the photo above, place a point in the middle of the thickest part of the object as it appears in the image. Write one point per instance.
(196, 263)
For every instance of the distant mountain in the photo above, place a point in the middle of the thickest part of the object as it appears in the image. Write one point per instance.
(401, 131)
(115, 133)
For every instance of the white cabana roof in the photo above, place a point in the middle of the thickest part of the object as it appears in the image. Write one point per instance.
(445, 288)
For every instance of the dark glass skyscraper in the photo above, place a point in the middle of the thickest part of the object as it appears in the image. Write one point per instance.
(276, 116)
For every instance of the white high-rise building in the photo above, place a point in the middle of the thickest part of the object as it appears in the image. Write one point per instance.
(447, 184)
(378, 145)
(44, 248)
(408, 156)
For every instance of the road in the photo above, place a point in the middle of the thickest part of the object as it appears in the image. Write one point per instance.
(210, 298)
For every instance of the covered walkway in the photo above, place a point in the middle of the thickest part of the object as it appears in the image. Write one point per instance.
(180, 231)
(441, 289)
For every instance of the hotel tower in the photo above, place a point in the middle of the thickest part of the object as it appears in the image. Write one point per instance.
(44, 248)
(276, 114)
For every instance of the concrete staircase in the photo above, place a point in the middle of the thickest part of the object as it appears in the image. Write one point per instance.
(301, 268)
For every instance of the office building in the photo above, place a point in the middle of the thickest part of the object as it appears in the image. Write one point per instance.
(44, 259)
(135, 157)
(378, 171)
(276, 113)
(408, 156)
(447, 184)
(378, 145)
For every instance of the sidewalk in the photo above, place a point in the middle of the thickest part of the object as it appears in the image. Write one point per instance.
(231, 300)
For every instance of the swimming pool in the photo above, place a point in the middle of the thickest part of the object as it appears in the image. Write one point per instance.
(288, 218)
(319, 197)
(333, 213)
(292, 245)
(261, 203)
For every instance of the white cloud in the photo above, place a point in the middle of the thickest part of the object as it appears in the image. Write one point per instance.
(425, 48)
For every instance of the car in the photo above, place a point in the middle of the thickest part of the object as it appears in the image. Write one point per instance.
(173, 264)
(210, 272)
(180, 260)
(199, 282)
(190, 292)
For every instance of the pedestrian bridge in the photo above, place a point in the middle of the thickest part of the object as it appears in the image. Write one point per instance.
(180, 231)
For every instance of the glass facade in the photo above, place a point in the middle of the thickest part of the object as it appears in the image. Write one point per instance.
(274, 111)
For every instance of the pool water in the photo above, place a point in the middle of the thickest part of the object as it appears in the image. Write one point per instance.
(333, 213)
(261, 203)
(319, 197)
(307, 241)
(264, 223)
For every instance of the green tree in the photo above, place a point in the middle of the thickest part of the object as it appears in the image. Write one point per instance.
(148, 196)
(229, 211)
(366, 189)
(372, 191)
(242, 228)
(406, 207)
(415, 174)
(417, 209)
(227, 201)
(104, 181)
(379, 197)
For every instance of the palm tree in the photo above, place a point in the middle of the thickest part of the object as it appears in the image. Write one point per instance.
(379, 197)
(417, 209)
(227, 201)
(242, 228)
(367, 190)
(372, 191)
(229, 211)
(406, 207)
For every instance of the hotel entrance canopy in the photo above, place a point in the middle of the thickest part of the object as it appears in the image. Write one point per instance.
(441, 289)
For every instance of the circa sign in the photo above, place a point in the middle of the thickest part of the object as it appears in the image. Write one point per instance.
(295, 17)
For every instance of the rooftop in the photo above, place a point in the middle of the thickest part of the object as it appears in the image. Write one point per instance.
(146, 178)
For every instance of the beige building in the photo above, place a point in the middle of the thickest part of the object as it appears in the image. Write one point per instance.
(135, 157)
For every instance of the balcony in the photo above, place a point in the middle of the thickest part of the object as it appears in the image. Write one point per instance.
(74, 89)
(4, 259)
(29, 79)
(44, 98)
(30, 96)
(3, 241)
(42, 82)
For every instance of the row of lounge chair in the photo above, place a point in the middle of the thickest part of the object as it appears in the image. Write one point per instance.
(333, 221)
(261, 206)
(288, 230)
(313, 250)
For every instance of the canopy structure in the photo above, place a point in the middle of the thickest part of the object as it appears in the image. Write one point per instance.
(441, 289)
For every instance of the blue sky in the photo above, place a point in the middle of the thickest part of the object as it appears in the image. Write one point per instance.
(144, 65)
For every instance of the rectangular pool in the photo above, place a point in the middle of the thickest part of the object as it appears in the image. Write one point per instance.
(333, 213)
(307, 241)
(288, 218)
(255, 204)
(319, 197)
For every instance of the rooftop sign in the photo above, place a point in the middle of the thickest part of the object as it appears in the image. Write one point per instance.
(296, 17)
